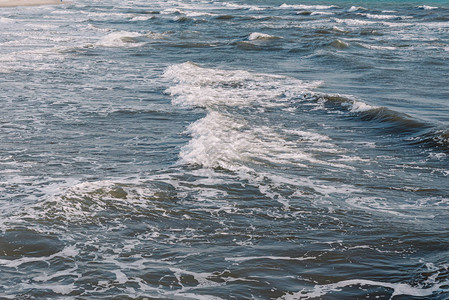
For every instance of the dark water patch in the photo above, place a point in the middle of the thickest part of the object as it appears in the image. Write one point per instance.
(441, 18)
(22, 242)
(141, 11)
(192, 45)
(256, 46)
(225, 17)
(305, 13)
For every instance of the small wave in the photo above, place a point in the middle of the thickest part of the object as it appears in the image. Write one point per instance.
(434, 138)
(246, 7)
(385, 17)
(307, 7)
(385, 117)
(121, 39)
(183, 19)
(352, 22)
(142, 18)
(427, 7)
(321, 13)
(375, 47)
(339, 44)
(356, 8)
(262, 36)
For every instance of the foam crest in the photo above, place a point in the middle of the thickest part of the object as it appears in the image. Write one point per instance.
(206, 87)
(229, 143)
(427, 7)
(261, 36)
(242, 6)
(302, 6)
(385, 17)
(352, 105)
(86, 202)
(399, 289)
(356, 8)
(121, 39)
(142, 18)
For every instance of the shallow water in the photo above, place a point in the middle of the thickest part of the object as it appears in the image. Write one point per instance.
(224, 150)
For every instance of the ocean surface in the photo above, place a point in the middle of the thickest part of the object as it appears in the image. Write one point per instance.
(234, 149)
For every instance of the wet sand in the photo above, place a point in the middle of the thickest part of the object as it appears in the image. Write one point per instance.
(12, 3)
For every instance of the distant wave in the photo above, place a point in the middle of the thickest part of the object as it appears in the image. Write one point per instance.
(427, 7)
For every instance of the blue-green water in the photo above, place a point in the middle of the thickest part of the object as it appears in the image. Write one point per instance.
(225, 150)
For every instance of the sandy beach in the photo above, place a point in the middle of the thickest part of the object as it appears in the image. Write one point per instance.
(12, 3)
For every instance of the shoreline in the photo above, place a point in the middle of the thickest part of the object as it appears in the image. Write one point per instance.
(15, 3)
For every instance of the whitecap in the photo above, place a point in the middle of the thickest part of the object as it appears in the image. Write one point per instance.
(241, 6)
(352, 22)
(427, 7)
(261, 36)
(376, 47)
(385, 17)
(142, 18)
(307, 7)
(356, 8)
(121, 39)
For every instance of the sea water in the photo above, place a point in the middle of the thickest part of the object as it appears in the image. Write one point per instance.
(227, 149)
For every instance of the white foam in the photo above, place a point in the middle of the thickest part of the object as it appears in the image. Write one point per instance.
(308, 7)
(322, 13)
(121, 39)
(4, 20)
(398, 289)
(70, 251)
(56, 288)
(141, 18)
(359, 106)
(206, 87)
(385, 17)
(427, 7)
(120, 277)
(262, 36)
(376, 47)
(352, 22)
(69, 272)
(242, 259)
(356, 8)
(241, 6)
(202, 278)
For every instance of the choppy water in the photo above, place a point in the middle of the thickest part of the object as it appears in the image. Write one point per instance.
(225, 150)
